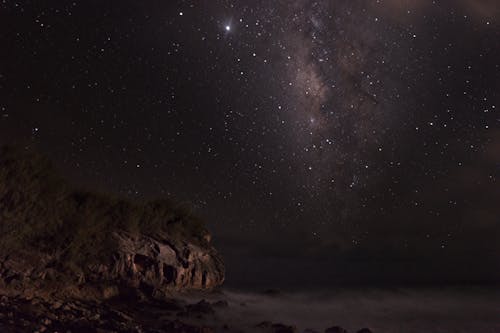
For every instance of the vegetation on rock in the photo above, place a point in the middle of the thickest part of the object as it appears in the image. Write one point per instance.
(39, 210)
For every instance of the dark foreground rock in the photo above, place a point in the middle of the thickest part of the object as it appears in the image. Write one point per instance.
(55, 239)
(335, 329)
(119, 314)
(37, 315)
(141, 263)
(267, 326)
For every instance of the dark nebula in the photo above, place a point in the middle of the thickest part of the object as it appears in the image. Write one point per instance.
(322, 141)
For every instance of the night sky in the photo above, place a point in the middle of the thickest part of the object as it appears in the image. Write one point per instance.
(322, 141)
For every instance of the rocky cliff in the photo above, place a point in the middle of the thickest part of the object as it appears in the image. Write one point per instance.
(57, 240)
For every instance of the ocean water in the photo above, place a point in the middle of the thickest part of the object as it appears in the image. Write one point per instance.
(402, 310)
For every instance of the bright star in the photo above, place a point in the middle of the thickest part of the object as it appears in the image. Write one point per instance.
(228, 28)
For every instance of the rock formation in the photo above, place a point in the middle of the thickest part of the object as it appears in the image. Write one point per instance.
(165, 262)
(54, 239)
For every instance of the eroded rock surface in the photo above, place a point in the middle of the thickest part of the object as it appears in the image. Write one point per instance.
(165, 263)
(150, 265)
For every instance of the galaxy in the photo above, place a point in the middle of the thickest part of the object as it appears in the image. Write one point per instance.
(323, 142)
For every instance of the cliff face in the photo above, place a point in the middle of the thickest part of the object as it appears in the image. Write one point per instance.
(164, 263)
(54, 239)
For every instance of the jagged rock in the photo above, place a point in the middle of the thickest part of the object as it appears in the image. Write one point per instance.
(20, 315)
(281, 328)
(165, 263)
(202, 307)
(335, 329)
(220, 304)
(264, 324)
(138, 262)
(276, 328)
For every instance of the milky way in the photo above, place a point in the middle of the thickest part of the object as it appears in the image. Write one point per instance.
(335, 138)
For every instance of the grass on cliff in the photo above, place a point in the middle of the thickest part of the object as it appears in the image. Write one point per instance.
(40, 210)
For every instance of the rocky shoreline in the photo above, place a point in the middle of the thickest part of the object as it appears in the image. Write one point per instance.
(146, 315)
(79, 261)
(19, 314)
